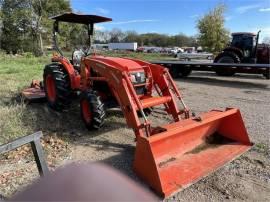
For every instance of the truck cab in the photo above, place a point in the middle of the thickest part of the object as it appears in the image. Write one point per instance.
(247, 43)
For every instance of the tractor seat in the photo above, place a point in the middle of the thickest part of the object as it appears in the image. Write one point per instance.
(76, 58)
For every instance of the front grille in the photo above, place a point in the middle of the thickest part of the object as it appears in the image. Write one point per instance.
(140, 90)
(138, 78)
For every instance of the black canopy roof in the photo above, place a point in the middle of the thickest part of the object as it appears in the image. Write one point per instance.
(80, 18)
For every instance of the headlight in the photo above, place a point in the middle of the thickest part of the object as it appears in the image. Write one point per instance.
(133, 78)
(138, 77)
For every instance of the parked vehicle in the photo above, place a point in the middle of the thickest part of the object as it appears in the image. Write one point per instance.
(100, 46)
(175, 51)
(140, 49)
(194, 55)
(184, 68)
(123, 46)
(244, 48)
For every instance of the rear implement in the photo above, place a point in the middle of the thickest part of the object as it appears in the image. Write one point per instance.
(35, 92)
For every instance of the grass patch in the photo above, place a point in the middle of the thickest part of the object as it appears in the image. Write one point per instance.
(16, 72)
(12, 125)
(262, 148)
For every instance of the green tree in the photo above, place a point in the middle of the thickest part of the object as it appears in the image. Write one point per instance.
(116, 35)
(181, 40)
(25, 23)
(15, 25)
(41, 11)
(131, 36)
(212, 34)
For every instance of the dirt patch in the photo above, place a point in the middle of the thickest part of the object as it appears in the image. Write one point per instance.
(211, 141)
(164, 163)
(250, 92)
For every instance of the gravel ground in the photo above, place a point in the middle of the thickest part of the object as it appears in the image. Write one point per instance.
(246, 178)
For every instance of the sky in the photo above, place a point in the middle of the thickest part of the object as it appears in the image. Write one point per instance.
(176, 16)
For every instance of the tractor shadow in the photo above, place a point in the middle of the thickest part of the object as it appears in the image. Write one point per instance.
(67, 124)
(236, 81)
(121, 156)
(123, 162)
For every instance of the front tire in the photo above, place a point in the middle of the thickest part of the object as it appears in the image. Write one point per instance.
(92, 110)
(57, 86)
(226, 57)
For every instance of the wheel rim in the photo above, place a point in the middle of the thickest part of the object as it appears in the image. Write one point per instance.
(50, 86)
(86, 111)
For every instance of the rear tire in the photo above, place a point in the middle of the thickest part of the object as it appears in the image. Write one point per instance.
(185, 72)
(267, 74)
(226, 57)
(57, 86)
(92, 110)
(174, 71)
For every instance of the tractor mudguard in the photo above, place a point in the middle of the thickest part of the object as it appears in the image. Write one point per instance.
(190, 149)
(74, 78)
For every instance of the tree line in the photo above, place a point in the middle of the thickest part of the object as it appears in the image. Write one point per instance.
(146, 39)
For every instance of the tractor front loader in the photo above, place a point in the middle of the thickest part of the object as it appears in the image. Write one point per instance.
(172, 156)
(168, 157)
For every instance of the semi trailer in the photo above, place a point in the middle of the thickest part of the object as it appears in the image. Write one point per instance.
(184, 68)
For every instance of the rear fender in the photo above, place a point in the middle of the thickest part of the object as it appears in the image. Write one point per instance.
(74, 78)
(238, 51)
(263, 54)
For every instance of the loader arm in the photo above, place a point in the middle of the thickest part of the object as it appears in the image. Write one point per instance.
(164, 84)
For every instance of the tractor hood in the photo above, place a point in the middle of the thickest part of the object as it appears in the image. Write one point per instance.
(124, 64)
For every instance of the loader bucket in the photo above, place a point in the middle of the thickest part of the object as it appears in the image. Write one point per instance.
(190, 149)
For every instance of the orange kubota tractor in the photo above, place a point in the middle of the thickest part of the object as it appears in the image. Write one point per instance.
(168, 157)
